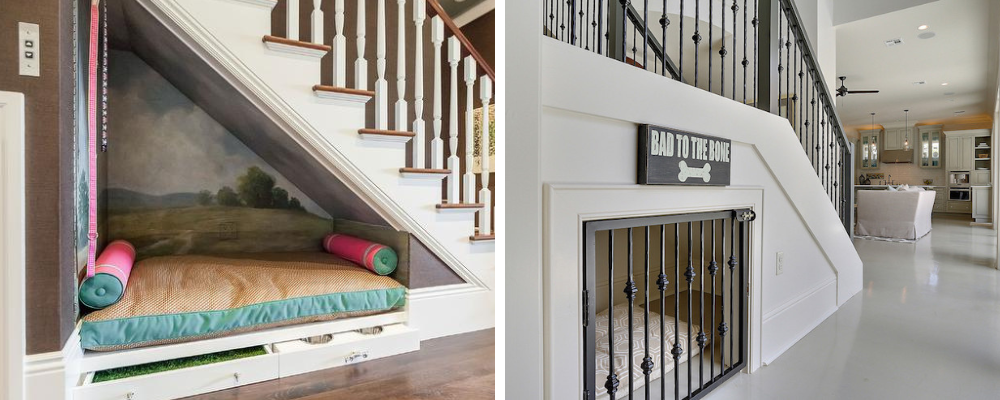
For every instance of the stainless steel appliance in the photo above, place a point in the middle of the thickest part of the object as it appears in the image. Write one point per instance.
(960, 194)
(958, 179)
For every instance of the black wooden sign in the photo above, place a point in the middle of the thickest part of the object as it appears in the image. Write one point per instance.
(672, 157)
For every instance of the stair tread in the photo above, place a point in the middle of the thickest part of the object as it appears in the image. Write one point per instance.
(425, 171)
(386, 132)
(338, 89)
(460, 205)
(482, 238)
(296, 43)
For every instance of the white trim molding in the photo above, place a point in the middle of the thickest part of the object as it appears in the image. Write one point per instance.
(12, 246)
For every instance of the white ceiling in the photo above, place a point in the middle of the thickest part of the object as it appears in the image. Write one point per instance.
(845, 11)
(958, 54)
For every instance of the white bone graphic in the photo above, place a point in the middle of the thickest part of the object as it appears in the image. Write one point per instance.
(688, 172)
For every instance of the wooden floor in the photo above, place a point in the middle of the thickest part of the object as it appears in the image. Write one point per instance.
(454, 367)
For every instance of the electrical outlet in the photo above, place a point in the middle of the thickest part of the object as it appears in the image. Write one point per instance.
(779, 265)
(29, 49)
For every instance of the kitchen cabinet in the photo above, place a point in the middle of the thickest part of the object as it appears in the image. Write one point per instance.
(962, 207)
(868, 144)
(895, 139)
(980, 177)
(981, 203)
(960, 152)
(940, 199)
(930, 145)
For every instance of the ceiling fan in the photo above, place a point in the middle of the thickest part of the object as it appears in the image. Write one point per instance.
(842, 90)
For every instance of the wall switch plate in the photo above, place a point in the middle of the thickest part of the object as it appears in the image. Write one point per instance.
(29, 54)
(779, 265)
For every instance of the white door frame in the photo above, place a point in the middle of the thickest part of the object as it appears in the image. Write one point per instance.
(12, 246)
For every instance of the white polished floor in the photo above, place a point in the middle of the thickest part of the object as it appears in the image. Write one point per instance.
(926, 326)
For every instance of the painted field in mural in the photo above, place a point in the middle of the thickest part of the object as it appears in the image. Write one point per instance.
(178, 182)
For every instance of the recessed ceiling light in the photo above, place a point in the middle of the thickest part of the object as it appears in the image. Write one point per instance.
(922, 27)
(944, 84)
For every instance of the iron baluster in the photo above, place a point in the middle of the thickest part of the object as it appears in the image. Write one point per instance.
(680, 41)
(647, 361)
(689, 274)
(612, 382)
(723, 329)
(600, 25)
(663, 43)
(701, 310)
(722, 53)
(713, 266)
(735, 8)
(645, 32)
(661, 284)
(710, 41)
(676, 351)
(745, 61)
(781, 67)
(696, 38)
(630, 291)
(756, 56)
(732, 276)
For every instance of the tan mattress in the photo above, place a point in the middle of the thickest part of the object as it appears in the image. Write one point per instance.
(182, 298)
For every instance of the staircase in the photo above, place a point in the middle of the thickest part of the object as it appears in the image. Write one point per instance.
(405, 144)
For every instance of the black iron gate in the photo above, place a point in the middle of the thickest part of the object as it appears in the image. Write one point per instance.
(706, 244)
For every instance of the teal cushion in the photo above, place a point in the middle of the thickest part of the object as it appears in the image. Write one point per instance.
(98, 335)
(100, 291)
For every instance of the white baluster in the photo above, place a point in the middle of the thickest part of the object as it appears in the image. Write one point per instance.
(419, 144)
(454, 165)
(485, 92)
(469, 179)
(401, 109)
(317, 22)
(361, 64)
(292, 19)
(437, 145)
(339, 46)
(381, 85)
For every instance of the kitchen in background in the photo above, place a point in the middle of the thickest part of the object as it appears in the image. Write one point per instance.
(955, 164)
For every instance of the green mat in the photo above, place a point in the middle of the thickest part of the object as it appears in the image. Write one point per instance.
(169, 365)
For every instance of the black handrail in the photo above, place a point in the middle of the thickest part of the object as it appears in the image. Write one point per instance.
(633, 16)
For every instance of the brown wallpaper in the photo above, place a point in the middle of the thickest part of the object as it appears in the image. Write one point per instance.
(49, 141)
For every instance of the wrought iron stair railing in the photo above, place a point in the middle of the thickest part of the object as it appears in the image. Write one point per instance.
(752, 51)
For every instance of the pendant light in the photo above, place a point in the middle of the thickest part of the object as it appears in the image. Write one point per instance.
(874, 144)
(906, 143)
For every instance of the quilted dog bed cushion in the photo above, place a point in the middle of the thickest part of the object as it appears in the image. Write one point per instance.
(175, 299)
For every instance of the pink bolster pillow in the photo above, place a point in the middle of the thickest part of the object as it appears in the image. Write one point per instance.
(378, 258)
(108, 285)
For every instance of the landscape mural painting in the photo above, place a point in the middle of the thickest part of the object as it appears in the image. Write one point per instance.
(178, 182)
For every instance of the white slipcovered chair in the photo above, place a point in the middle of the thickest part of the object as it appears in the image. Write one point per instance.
(895, 215)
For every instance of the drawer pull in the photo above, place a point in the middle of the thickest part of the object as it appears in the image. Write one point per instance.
(355, 356)
(130, 396)
(236, 375)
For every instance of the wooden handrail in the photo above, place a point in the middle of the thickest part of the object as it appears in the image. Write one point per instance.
(480, 61)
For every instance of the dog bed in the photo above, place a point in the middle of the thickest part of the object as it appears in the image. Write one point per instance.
(621, 350)
(174, 299)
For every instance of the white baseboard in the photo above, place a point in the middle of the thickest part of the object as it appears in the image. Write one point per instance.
(52, 375)
(451, 310)
(815, 305)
